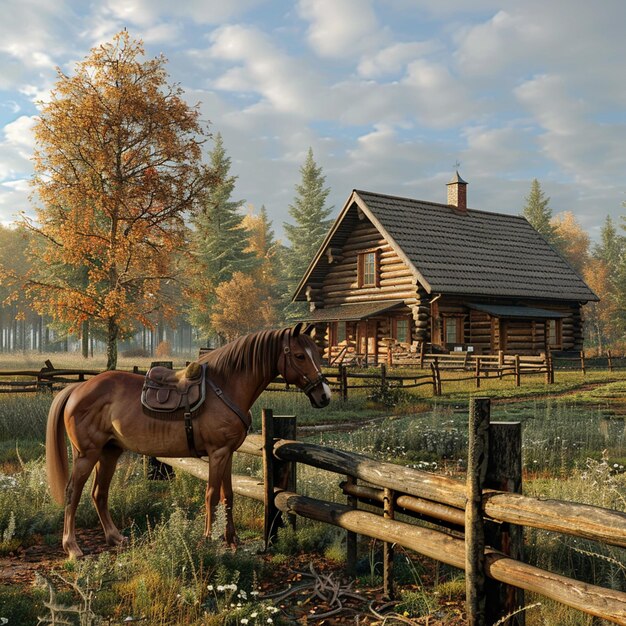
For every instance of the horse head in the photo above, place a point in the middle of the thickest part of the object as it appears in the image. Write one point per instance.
(300, 364)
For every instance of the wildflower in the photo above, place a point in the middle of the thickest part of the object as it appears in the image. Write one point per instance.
(244, 620)
(220, 587)
(210, 587)
(253, 615)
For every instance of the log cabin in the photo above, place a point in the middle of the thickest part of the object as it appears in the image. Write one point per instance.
(396, 274)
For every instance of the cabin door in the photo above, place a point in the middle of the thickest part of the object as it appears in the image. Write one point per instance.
(367, 344)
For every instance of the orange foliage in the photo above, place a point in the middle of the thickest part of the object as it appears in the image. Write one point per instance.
(242, 307)
(118, 165)
(573, 240)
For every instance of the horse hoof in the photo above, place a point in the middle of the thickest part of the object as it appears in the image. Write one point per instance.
(116, 540)
(73, 551)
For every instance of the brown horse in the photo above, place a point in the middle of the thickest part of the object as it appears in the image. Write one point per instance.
(103, 417)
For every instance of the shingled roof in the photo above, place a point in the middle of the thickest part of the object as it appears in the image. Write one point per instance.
(459, 252)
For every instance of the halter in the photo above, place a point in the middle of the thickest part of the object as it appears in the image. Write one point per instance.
(310, 384)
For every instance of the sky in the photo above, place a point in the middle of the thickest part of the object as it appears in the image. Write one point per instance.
(392, 95)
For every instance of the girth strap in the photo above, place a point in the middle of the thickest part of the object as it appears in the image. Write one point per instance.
(246, 419)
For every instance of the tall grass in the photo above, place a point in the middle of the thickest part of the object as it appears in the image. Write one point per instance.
(571, 451)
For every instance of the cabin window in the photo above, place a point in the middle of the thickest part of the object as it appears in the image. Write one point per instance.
(554, 334)
(341, 332)
(368, 269)
(453, 329)
(401, 331)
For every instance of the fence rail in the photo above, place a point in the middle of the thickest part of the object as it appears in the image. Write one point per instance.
(424, 370)
(440, 500)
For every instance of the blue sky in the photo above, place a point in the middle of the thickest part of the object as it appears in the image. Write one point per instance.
(390, 94)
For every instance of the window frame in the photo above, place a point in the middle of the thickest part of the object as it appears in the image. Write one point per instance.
(558, 334)
(361, 265)
(394, 329)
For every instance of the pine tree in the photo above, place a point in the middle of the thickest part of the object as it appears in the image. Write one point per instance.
(611, 245)
(219, 240)
(539, 214)
(311, 221)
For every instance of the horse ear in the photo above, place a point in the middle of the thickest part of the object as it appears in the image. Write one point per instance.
(309, 329)
(295, 331)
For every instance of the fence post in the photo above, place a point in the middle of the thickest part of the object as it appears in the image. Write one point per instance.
(582, 362)
(343, 382)
(276, 474)
(547, 366)
(609, 360)
(477, 373)
(518, 374)
(422, 349)
(388, 511)
(477, 455)
(351, 537)
(504, 473)
(383, 378)
(432, 369)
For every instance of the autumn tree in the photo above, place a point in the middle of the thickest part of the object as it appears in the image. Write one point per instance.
(241, 307)
(573, 240)
(219, 240)
(603, 273)
(601, 317)
(311, 222)
(117, 167)
(538, 212)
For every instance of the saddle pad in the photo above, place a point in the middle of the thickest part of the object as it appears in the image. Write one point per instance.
(167, 391)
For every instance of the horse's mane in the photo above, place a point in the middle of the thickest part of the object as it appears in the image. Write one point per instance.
(256, 353)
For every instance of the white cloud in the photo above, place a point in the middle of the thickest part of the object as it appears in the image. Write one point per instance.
(393, 59)
(148, 12)
(265, 69)
(341, 28)
(590, 152)
(19, 133)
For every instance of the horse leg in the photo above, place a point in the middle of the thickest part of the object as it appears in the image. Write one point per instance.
(226, 498)
(81, 469)
(219, 460)
(105, 468)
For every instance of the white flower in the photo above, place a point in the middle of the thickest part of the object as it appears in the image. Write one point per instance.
(210, 587)
(253, 615)
(244, 620)
(220, 587)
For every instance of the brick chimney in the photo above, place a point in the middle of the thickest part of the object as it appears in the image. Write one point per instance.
(457, 193)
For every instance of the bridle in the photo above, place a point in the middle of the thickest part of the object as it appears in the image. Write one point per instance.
(288, 360)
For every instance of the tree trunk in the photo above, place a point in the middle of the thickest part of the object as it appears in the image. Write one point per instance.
(85, 339)
(112, 333)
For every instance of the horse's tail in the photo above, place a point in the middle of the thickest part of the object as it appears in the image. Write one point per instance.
(56, 448)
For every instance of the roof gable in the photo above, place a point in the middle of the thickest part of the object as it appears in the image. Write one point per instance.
(453, 252)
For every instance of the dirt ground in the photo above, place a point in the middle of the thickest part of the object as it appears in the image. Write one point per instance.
(305, 591)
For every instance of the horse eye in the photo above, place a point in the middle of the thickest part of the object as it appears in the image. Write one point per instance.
(300, 357)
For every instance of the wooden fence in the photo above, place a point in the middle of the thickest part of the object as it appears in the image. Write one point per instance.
(423, 370)
(486, 540)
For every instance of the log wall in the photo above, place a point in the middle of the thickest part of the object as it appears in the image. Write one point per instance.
(396, 281)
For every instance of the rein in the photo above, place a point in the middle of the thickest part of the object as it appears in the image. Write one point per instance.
(310, 384)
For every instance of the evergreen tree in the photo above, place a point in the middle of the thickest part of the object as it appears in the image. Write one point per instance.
(311, 222)
(538, 212)
(611, 245)
(219, 240)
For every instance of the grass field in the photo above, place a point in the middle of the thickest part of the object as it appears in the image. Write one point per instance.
(574, 449)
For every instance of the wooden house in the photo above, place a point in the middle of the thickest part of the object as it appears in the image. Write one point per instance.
(401, 274)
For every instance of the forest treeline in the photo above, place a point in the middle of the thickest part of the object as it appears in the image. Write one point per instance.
(138, 237)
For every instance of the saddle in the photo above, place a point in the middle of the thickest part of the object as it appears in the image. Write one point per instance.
(170, 394)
